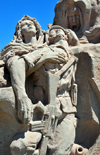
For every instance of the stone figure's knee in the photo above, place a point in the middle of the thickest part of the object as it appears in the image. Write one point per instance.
(12, 61)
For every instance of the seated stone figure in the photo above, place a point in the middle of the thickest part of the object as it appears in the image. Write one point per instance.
(53, 59)
(27, 37)
(26, 55)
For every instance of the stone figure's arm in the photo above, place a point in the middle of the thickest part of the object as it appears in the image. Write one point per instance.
(52, 56)
(17, 69)
(38, 57)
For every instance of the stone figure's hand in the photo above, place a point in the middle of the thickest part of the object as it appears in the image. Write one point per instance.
(56, 57)
(25, 110)
(54, 111)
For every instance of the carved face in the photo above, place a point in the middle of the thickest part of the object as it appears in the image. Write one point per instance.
(28, 28)
(56, 33)
(73, 17)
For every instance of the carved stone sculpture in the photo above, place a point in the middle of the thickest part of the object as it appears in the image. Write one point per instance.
(49, 84)
(80, 16)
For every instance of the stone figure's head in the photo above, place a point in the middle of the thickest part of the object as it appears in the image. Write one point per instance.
(74, 18)
(74, 15)
(26, 27)
(57, 33)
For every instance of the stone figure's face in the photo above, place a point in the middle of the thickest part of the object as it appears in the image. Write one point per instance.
(28, 28)
(56, 33)
(73, 17)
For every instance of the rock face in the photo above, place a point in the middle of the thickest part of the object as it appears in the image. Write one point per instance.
(50, 85)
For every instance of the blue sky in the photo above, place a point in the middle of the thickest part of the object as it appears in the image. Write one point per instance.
(11, 11)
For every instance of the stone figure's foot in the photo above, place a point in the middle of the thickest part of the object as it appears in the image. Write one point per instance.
(25, 109)
(26, 143)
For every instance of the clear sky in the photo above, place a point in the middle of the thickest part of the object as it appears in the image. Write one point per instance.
(11, 11)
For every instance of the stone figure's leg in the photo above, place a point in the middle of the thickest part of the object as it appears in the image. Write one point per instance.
(64, 137)
(17, 68)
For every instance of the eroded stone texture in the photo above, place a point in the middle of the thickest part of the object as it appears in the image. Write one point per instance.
(49, 84)
(88, 112)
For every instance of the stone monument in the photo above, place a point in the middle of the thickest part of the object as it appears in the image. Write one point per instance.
(49, 84)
